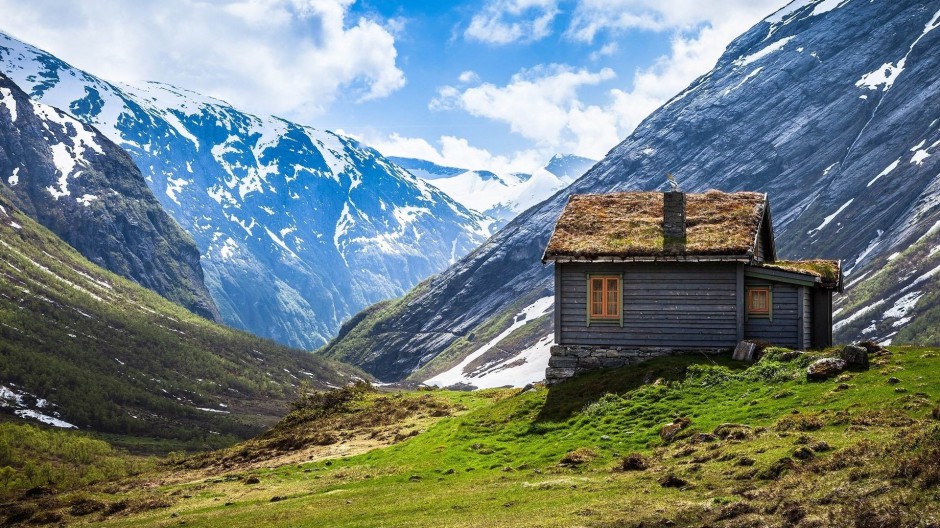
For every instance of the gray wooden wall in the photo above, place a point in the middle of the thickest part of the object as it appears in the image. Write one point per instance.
(783, 329)
(807, 319)
(666, 304)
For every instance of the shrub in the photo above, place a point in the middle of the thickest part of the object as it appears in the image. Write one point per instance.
(800, 422)
(316, 404)
(581, 455)
(634, 462)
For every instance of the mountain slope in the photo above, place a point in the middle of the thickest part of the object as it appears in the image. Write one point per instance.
(831, 108)
(80, 346)
(499, 196)
(298, 228)
(87, 190)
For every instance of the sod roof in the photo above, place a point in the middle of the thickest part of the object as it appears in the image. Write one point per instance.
(625, 225)
(828, 271)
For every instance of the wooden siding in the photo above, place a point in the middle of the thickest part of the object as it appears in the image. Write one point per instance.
(807, 319)
(783, 327)
(665, 304)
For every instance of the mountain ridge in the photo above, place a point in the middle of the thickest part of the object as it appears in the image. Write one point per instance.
(298, 228)
(87, 190)
(500, 196)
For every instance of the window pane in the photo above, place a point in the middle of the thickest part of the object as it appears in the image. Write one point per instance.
(613, 297)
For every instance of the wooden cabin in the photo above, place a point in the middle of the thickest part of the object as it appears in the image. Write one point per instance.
(641, 274)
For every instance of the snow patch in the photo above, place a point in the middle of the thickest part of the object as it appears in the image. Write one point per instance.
(44, 418)
(903, 306)
(830, 218)
(14, 178)
(882, 77)
(857, 315)
(457, 375)
(7, 101)
(885, 172)
(754, 57)
(174, 186)
(207, 409)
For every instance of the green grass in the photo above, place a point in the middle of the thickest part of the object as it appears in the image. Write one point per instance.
(873, 456)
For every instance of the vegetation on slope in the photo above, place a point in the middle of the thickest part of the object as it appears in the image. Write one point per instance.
(464, 345)
(683, 440)
(38, 459)
(895, 297)
(111, 356)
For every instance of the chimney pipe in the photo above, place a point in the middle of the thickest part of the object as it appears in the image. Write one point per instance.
(674, 215)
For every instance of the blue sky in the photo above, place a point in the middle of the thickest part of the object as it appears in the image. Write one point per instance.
(495, 84)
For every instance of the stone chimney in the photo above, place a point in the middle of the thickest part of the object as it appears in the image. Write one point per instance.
(674, 215)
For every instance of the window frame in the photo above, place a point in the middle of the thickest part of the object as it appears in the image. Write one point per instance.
(605, 319)
(748, 310)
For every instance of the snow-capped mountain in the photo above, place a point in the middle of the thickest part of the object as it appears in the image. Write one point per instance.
(86, 189)
(299, 228)
(499, 196)
(830, 106)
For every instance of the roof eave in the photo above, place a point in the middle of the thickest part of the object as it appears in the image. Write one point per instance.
(747, 258)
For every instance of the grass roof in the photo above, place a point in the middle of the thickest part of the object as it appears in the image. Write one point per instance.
(631, 225)
(828, 271)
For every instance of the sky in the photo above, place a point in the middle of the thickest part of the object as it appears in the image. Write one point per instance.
(480, 84)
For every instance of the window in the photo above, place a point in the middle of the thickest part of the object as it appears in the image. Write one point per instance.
(759, 301)
(604, 297)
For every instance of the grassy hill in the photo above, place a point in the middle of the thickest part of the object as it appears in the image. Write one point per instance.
(82, 345)
(678, 441)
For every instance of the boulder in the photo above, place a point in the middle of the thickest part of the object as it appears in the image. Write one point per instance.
(825, 368)
(745, 351)
(854, 356)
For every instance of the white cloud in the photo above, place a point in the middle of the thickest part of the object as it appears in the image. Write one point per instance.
(290, 57)
(591, 17)
(604, 51)
(468, 77)
(507, 21)
(458, 152)
(540, 104)
(543, 104)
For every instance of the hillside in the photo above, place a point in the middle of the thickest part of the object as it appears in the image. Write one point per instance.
(680, 441)
(81, 347)
(831, 108)
(298, 228)
(84, 188)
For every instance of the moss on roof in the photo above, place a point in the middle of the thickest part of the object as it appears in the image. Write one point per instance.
(630, 224)
(828, 271)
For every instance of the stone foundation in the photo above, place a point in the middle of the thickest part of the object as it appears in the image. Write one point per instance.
(567, 361)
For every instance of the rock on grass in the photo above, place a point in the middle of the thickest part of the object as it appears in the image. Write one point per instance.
(825, 368)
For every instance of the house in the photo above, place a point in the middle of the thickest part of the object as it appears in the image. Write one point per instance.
(641, 274)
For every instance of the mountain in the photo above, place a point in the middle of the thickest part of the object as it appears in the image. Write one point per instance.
(499, 196)
(830, 107)
(87, 190)
(299, 228)
(82, 347)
